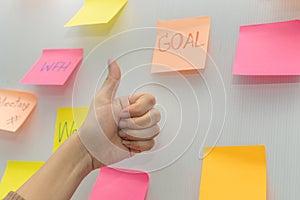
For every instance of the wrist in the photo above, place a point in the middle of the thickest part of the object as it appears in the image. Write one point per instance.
(68, 166)
(85, 160)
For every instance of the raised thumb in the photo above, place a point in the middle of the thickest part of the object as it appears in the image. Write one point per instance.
(110, 85)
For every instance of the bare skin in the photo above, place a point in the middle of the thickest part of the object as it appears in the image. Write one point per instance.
(128, 126)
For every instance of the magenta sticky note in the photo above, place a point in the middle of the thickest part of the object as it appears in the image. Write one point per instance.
(120, 184)
(268, 49)
(54, 67)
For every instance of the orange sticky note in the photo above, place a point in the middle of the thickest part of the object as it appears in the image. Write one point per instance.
(234, 173)
(181, 44)
(54, 67)
(15, 107)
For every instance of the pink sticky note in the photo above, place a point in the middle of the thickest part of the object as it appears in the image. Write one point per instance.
(120, 184)
(54, 67)
(268, 49)
(15, 107)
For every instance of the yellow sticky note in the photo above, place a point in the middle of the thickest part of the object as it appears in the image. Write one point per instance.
(234, 173)
(68, 120)
(16, 174)
(15, 107)
(96, 12)
(181, 44)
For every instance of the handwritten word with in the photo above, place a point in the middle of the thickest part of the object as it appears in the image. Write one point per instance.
(18, 103)
(68, 121)
(66, 130)
(178, 40)
(12, 120)
(55, 66)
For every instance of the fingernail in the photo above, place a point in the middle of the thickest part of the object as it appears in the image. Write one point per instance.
(110, 61)
(122, 134)
(122, 124)
(126, 142)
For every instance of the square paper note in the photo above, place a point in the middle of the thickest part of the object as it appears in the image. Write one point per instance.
(54, 67)
(16, 174)
(268, 49)
(234, 173)
(96, 12)
(15, 107)
(68, 121)
(181, 44)
(120, 184)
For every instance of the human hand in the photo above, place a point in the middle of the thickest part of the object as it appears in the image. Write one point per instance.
(116, 129)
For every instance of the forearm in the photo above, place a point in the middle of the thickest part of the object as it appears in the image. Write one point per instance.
(113, 130)
(62, 173)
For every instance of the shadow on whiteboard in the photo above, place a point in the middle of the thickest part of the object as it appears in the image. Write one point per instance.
(244, 80)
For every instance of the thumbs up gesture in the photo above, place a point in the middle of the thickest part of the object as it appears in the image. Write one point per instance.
(118, 128)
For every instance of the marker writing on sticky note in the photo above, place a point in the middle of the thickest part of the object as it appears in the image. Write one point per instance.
(17, 103)
(178, 40)
(181, 44)
(68, 121)
(65, 130)
(15, 107)
(54, 67)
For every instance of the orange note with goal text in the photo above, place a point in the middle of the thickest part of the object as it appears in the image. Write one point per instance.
(181, 44)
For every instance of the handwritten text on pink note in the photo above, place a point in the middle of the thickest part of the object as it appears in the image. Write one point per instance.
(268, 49)
(120, 184)
(54, 67)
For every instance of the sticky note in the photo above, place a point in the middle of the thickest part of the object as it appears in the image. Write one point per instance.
(54, 67)
(181, 44)
(96, 12)
(268, 49)
(68, 120)
(120, 184)
(15, 107)
(16, 174)
(234, 173)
